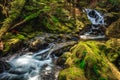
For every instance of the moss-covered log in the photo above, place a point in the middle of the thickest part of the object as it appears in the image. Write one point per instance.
(14, 12)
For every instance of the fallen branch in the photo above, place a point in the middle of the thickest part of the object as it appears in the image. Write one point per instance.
(32, 16)
(21, 22)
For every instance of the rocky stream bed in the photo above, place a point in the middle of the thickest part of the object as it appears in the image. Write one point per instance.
(85, 55)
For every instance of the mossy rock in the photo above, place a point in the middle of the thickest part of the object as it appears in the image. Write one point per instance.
(8, 44)
(12, 41)
(114, 29)
(72, 73)
(88, 59)
(27, 28)
(112, 51)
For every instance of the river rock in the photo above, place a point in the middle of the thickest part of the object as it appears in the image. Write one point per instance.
(4, 66)
(37, 44)
(62, 47)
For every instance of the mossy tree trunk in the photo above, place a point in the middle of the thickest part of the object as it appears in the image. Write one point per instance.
(14, 12)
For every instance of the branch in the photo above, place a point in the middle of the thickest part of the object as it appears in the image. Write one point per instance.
(32, 16)
(21, 22)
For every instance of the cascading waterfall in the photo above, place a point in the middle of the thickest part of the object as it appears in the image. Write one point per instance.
(96, 29)
(29, 66)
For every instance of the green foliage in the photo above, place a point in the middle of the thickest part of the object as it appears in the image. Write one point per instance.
(82, 64)
(16, 7)
(21, 37)
(54, 19)
(14, 12)
(101, 78)
(95, 69)
(33, 15)
(114, 2)
(6, 47)
(84, 53)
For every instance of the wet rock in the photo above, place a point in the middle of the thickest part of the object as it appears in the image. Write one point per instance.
(111, 17)
(50, 74)
(17, 71)
(62, 47)
(4, 66)
(62, 59)
(7, 76)
(37, 44)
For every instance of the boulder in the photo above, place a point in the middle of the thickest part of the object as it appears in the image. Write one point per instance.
(87, 61)
(114, 29)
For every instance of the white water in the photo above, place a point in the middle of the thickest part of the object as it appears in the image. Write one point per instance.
(95, 17)
(97, 20)
(29, 66)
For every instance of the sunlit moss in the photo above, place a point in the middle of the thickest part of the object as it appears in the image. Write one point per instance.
(90, 59)
(72, 73)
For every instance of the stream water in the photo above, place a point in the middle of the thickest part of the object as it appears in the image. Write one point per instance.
(31, 66)
(40, 65)
(95, 30)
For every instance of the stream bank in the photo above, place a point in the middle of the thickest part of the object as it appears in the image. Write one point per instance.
(73, 58)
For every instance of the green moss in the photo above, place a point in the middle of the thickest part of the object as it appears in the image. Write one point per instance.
(8, 45)
(33, 15)
(27, 29)
(114, 2)
(21, 37)
(88, 57)
(113, 30)
(54, 25)
(72, 73)
(82, 64)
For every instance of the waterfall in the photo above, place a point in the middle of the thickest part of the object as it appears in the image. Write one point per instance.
(95, 30)
(29, 66)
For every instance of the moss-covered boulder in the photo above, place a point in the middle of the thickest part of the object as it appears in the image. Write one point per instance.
(61, 21)
(86, 61)
(72, 73)
(112, 51)
(114, 29)
(13, 42)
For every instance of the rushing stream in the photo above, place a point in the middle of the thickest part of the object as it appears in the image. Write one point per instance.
(95, 30)
(35, 66)
(30, 66)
